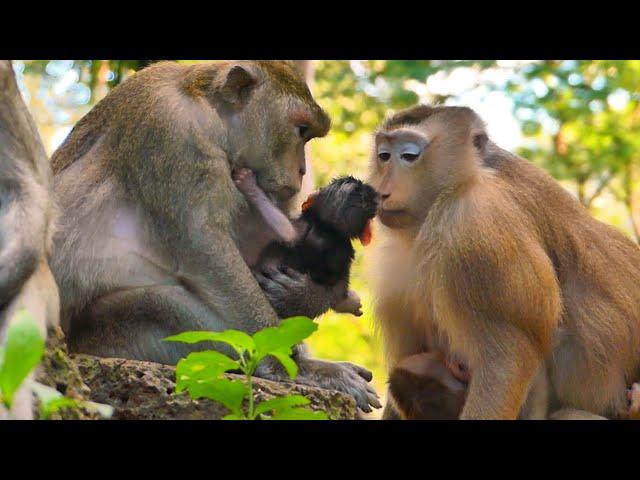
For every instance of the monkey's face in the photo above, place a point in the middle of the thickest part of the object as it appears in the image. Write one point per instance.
(412, 164)
(400, 174)
(347, 204)
(269, 133)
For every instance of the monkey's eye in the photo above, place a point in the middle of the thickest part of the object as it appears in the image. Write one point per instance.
(302, 130)
(384, 156)
(409, 157)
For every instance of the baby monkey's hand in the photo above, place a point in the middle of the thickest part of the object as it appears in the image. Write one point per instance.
(245, 180)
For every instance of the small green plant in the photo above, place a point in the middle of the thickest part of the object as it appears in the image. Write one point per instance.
(201, 373)
(21, 353)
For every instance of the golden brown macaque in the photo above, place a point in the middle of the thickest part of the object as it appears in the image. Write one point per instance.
(484, 257)
(156, 239)
(26, 224)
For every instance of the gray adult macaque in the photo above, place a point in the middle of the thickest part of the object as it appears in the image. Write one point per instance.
(155, 238)
(26, 224)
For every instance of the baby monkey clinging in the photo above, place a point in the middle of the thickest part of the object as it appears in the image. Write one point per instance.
(318, 242)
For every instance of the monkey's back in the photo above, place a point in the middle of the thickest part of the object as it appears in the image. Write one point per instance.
(598, 272)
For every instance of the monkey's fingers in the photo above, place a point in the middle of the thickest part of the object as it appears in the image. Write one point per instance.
(634, 401)
(290, 272)
(363, 372)
(267, 284)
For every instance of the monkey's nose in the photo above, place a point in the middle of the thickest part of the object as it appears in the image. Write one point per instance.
(302, 171)
(384, 196)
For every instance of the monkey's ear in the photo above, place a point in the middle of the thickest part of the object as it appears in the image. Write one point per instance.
(237, 85)
(480, 139)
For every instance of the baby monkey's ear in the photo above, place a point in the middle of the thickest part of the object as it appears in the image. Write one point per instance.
(309, 202)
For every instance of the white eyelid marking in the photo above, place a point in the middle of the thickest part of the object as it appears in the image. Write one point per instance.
(383, 149)
(411, 148)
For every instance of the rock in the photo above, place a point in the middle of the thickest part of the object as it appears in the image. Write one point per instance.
(146, 391)
(59, 371)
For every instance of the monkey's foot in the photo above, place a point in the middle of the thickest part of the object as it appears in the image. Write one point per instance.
(245, 180)
(350, 304)
(344, 377)
(633, 395)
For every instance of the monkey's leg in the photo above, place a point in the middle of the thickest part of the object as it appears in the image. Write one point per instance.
(39, 296)
(132, 323)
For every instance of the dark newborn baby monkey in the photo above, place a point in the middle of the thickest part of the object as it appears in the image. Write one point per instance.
(318, 242)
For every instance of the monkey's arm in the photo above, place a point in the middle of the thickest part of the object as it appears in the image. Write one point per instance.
(245, 180)
(501, 380)
(293, 293)
(22, 220)
(509, 334)
(216, 272)
(18, 252)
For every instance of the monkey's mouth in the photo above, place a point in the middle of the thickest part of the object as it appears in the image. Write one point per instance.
(395, 218)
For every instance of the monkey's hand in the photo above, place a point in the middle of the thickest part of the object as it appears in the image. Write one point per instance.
(350, 304)
(246, 182)
(293, 293)
(342, 376)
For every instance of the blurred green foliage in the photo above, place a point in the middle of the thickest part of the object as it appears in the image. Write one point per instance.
(583, 118)
(580, 120)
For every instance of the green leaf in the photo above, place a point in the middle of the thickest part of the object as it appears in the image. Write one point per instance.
(51, 400)
(299, 414)
(240, 341)
(233, 416)
(290, 332)
(54, 405)
(201, 367)
(284, 357)
(281, 403)
(23, 350)
(229, 393)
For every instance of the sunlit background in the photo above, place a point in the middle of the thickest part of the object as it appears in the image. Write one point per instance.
(580, 120)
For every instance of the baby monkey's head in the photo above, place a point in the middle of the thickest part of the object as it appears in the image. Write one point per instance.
(347, 205)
